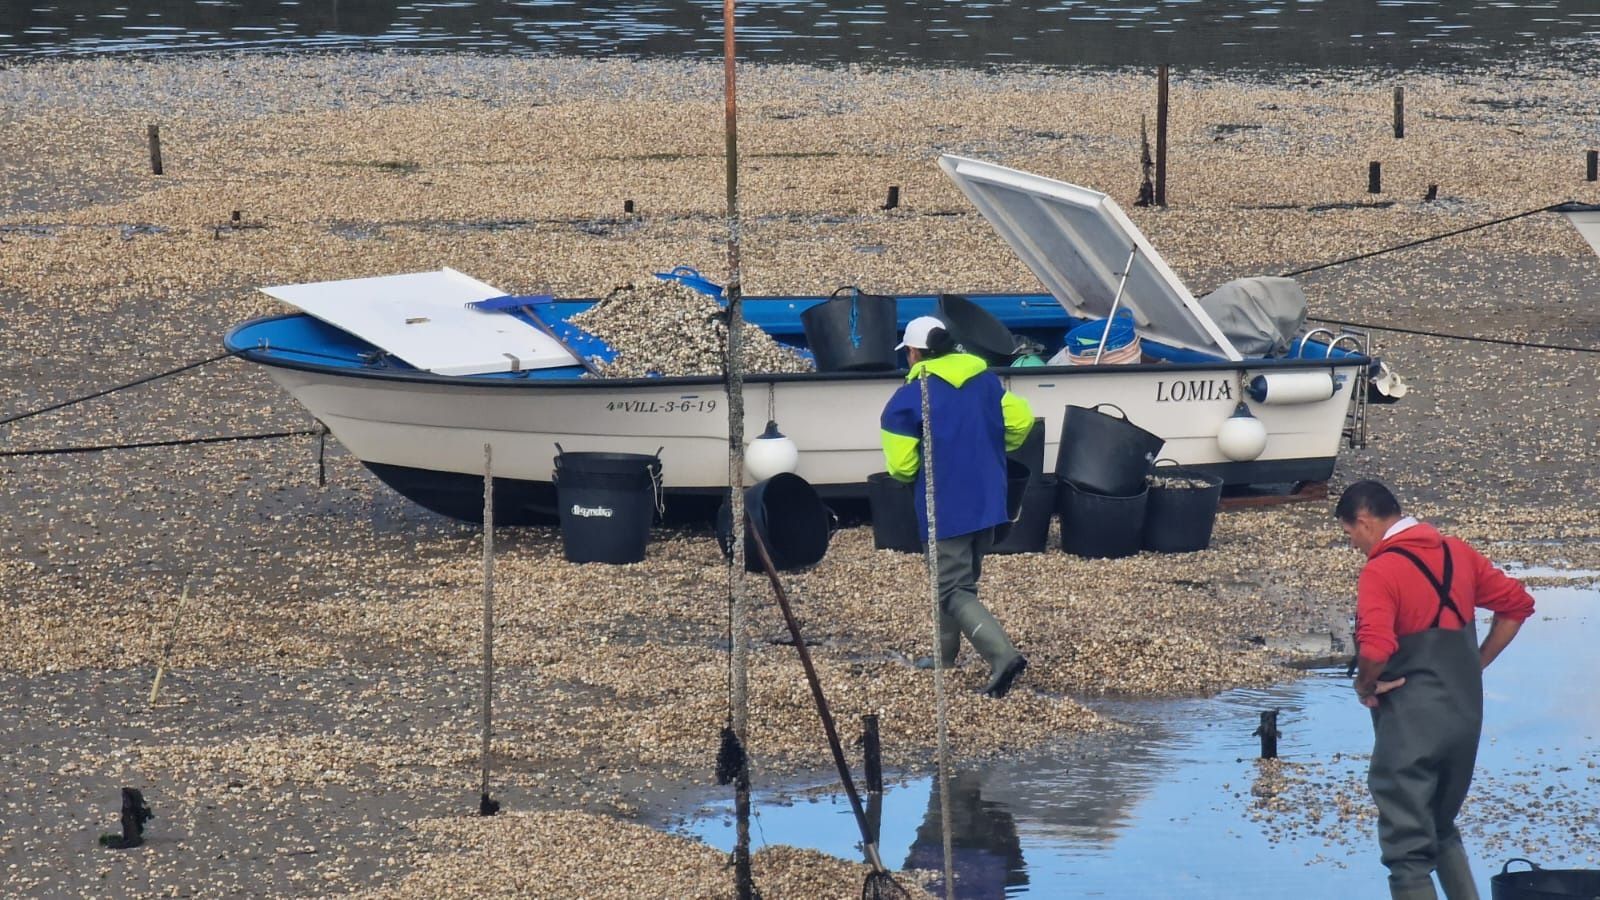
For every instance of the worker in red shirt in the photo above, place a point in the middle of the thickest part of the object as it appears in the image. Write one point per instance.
(1420, 671)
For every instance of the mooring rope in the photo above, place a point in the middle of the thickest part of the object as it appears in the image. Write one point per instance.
(1420, 241)
(941, 704)
(112, 390)
(54, 451)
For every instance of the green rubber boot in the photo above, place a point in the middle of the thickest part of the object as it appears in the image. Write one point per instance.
(990, 640)
(1416, 890)
(1455, 872)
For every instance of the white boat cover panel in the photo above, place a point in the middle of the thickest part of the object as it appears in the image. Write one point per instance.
(1077, 241)
(423, 318)
(1587, 221)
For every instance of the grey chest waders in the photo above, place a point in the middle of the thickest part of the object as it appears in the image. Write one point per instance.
(1425, 745)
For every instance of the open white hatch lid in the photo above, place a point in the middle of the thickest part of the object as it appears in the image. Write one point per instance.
(1077, 241)
(423, 318)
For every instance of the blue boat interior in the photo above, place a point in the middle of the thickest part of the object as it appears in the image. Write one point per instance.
(302, 339)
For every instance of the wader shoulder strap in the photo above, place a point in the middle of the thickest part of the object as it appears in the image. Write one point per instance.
(1441, 586)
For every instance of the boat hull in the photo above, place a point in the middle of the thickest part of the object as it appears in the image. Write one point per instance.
(425, 436)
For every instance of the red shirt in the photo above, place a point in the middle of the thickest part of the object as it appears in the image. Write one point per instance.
(1394, 599)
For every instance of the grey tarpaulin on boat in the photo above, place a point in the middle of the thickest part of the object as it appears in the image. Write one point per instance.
(1260, 315)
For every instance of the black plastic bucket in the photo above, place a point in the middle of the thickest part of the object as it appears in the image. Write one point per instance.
(1103, 453)
(1031, 453)
(977, 330)
(1097, 525)
(790, 516)
(606, 502)
(1030, 533)
(852, 332)
(1544, 884)
(894, 514)
(1180, 519)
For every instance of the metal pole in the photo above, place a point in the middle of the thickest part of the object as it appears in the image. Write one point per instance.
(1115, 302)
(941, 714)
(486, 806)
(739, 611)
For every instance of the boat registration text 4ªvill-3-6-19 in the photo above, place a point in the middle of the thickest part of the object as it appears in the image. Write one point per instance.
(682, 405)
(1194, 389)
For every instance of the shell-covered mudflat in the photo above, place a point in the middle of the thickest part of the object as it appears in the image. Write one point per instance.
(318, 729)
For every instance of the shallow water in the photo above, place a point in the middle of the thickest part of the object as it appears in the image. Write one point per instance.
(1170, 812)
(1203, 33)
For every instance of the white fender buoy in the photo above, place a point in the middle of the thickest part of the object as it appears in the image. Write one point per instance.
(771, 454)
(1280, 388)
(1242, 437)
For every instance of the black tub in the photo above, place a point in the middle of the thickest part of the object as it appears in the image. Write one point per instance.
(1544, 884)
(894, 514)
(607, 502)
(1103, 453)
(793, 520)
(1030, 533)
(1098, 525)
(977, 330)
(852, 332)
(1180, 519)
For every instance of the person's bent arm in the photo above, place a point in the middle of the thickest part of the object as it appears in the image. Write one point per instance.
(1501, 631)
(1018, 415)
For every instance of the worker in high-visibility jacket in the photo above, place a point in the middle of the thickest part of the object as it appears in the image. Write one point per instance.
(975, 422)
(1421, 674)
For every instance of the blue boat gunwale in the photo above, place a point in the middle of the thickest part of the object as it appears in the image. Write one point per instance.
(271, 356)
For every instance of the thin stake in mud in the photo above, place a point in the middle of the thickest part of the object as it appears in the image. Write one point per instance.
(868, 841)
(166, 646)
(486, 805)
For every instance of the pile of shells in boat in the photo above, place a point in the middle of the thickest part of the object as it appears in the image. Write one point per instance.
(1178, 483)
(664, 328)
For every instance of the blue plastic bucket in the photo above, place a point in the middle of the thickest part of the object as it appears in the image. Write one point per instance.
(1086, 337)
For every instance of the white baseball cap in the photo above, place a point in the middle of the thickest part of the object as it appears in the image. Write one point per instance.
(917, 331)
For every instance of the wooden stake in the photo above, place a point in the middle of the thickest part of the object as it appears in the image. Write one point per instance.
(1594, 165)
(1374, 177)
(872, 754)
(1161, 137)
(166, 648)
(1399, 112)
(155, 149)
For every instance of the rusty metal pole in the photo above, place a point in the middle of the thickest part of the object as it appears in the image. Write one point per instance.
(738, 600)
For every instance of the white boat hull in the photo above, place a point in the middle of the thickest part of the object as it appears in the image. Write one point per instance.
(432, 427)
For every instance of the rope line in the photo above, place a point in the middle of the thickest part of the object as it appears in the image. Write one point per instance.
(57, 451)
(1457, 337)
(112, 390)
(1420, 241)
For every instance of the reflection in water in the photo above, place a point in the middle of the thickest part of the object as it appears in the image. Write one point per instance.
(1185, 33)
(984, 848)
(1168, 811)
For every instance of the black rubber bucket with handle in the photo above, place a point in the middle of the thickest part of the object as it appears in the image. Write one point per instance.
(1103, 453)
(606, 503)
(791, 518)
(1544, 884)
(1030, 531)
(1180, 518)
(1100, 526)
(894, 514)
(852, 332)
